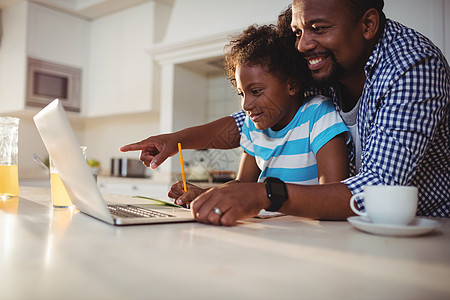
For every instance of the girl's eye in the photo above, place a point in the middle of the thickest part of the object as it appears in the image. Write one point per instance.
(256, 91)
(298, 33)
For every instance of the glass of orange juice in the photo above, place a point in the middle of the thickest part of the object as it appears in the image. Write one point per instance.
(9, 174)
(60, 197)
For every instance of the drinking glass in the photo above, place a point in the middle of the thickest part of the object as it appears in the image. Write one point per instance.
(9, 172)
(60, 197)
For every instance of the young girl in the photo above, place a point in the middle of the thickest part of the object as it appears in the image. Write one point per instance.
(285, 135)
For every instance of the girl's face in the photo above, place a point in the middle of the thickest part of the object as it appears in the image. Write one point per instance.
(269, 102)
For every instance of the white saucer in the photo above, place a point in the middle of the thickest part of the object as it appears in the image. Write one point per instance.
(419, 226)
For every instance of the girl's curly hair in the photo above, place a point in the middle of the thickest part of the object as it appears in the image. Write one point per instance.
(272, 49)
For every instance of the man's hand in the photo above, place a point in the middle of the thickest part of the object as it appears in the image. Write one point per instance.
(228, 203)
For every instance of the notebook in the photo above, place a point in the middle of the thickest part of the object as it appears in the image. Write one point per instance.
(64, 149)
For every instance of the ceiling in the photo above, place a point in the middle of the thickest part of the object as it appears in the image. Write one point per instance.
(89, 9)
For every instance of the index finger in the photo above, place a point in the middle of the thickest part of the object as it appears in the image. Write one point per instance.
(132, 147)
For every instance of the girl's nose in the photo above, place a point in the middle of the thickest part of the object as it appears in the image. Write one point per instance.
(247, 103)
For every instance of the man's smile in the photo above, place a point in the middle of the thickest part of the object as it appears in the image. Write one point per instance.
(316, 62)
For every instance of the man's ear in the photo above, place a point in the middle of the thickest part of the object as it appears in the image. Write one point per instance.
(371, 23)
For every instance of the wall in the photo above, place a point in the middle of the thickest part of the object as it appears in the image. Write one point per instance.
(201, 98)
(190, 97)
(13, 58)
(104, 136)
(197, 18)
(222, 100)
(427, 17)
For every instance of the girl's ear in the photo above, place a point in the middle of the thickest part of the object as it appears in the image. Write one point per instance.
(294, 87)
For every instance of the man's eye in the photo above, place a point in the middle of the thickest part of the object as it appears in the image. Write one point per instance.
(318, 29)
(256, 91)
(240, 94)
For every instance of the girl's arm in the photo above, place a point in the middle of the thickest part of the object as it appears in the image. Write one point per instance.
(248, 169)
(220, 134)
(332, 160)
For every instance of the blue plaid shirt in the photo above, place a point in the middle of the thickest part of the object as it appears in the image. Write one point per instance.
(403, 119)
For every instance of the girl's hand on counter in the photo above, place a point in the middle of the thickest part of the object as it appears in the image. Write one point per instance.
(183, 198)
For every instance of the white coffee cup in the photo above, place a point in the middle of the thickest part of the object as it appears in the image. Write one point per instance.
(388, 204)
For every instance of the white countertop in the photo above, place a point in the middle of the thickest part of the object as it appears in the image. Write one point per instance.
(48, 253)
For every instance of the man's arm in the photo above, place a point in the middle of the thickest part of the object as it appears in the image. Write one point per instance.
(244, 200)
(400, 123)
(220, 134)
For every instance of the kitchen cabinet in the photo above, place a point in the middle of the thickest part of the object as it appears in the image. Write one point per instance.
(57, 37)
(110, 51)
(31, 30)
(120, 77)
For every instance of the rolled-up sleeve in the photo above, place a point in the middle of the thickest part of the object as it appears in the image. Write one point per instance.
(239, 118)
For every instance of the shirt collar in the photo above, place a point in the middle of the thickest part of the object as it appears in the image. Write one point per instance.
(380, 47)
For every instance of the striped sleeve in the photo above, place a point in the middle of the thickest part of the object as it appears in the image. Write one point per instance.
(326, 124)
(246, 139)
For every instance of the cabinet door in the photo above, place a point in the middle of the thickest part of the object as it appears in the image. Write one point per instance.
(120, 76)
(57, 37)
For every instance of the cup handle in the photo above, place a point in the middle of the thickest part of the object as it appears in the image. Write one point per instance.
(352, 204)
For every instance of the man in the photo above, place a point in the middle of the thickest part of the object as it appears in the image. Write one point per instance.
(392, 88)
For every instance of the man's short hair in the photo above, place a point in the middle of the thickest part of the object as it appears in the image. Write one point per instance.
(359, 7)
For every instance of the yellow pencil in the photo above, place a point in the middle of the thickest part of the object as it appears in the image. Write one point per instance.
(182, 167)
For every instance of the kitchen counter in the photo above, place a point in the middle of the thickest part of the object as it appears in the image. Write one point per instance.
(48, 253)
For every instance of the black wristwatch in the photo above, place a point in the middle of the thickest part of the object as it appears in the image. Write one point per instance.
(276, 192)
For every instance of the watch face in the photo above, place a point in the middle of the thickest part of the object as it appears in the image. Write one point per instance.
(276, 192)
(277, 188)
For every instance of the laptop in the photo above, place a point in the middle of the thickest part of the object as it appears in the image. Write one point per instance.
(64, 149)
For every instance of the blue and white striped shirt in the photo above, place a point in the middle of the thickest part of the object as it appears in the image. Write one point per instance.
(290, 153)
(403, 120)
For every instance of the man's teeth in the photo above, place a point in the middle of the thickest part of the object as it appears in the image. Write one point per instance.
(315, 61)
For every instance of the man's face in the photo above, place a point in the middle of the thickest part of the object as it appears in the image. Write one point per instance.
(330, 39)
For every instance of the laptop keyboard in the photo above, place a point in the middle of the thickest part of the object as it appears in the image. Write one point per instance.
(130, 211)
